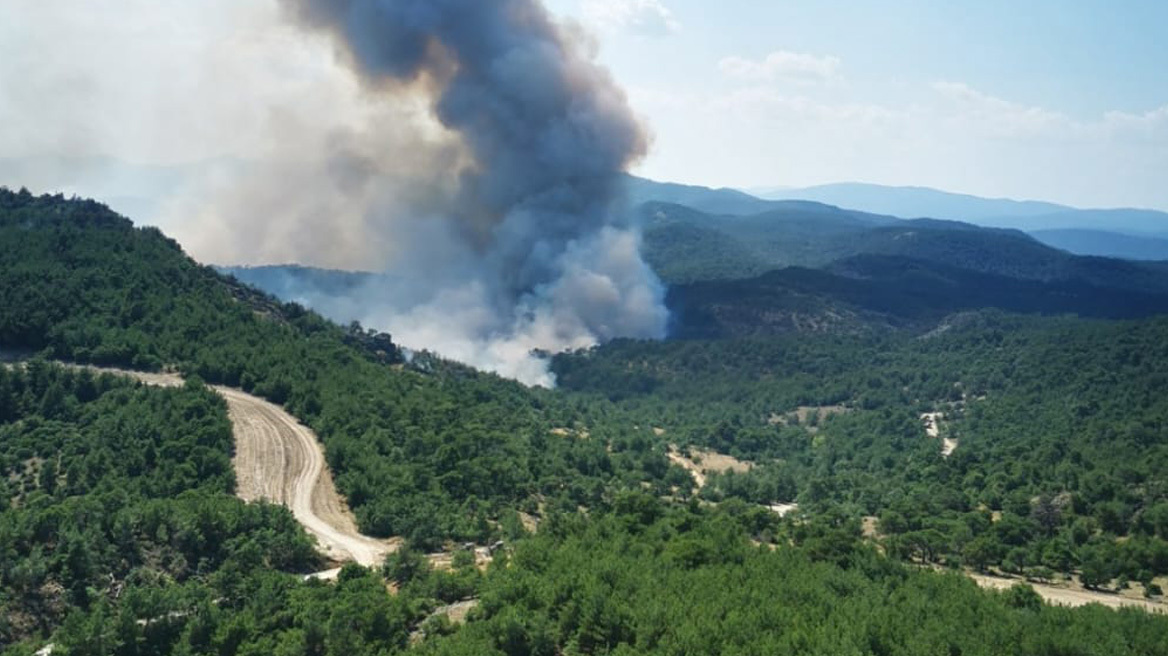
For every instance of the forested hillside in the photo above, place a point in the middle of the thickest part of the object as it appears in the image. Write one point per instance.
(120, 534)
(869, 293)
(1061, 426)
(646, 580)
(116, 492)
(426, 456)
(813, 235)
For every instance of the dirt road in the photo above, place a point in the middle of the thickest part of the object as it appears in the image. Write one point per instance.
(710, 462)
(279, 459)
(1060, 596)
(717, 463)
(692, 467)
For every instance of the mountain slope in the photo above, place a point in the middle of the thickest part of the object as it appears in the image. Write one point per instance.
(913, 202)
(821, 269)
(684, 244)
(1106, 244)
(882, 292)
(409, 448)
(110, 478)
(745, 246)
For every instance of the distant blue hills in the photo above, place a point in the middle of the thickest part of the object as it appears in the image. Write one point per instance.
(1110, 229)
(1128, 233)
(1137, 234)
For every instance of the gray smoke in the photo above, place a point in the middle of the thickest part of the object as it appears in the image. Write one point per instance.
(501, 223)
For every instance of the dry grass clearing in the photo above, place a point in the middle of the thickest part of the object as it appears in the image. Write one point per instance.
(700, 463)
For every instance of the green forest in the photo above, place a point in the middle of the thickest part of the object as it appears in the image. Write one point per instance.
(1060, 424)
(423, 456)
(121, 534)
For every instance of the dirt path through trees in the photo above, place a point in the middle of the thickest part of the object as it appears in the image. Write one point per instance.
(1059, 596)
(279, 459)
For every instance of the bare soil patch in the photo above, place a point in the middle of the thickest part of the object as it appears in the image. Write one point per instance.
(530, 522)
(783, 509)
(870, 527)
(701, 463)
(1071, 594)
(820, 412)
(444, 560)
(454, 613)
(932, 422)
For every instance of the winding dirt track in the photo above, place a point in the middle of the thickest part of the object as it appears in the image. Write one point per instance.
(1060, 596)
(279, 459)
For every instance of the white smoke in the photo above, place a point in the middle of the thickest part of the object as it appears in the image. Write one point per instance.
(470, 149)
(492, 202)
(603, 289)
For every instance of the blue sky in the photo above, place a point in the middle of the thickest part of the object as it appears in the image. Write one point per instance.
(1060, 100)
(1064, 100)
(1084, 57)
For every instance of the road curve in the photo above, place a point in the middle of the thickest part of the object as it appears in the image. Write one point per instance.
(279, 459)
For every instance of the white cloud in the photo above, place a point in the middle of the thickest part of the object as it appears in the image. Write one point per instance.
(785, 65)
(647, 17)
(1149, 127)
(995, 117)
(766, 101)
(954, 137)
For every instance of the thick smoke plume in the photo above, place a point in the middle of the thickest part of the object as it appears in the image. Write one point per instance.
(498, 221)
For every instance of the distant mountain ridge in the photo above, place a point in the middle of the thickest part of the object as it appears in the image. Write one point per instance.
(684, 245)
(913, 202)
(868, 293)
(747, 266)
(1107, 244)
(807, 267)
(639, 191)
(917, 202)
(142, 191)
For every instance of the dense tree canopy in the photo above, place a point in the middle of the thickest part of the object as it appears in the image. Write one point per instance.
(1061, 425)
(120, 535)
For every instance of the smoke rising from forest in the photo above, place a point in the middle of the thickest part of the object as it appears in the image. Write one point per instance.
(470, 150)
(500, 226)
